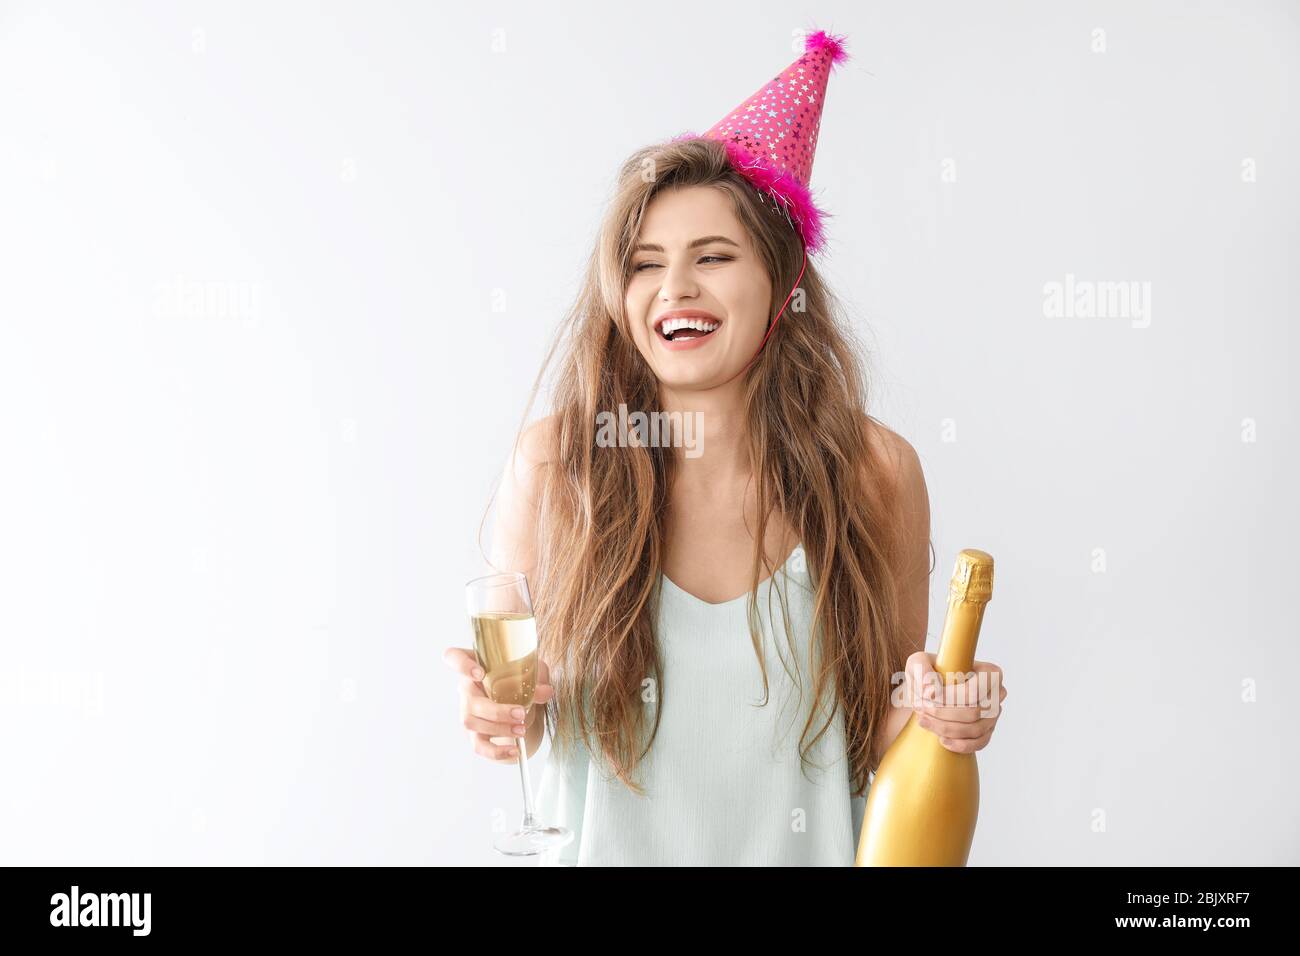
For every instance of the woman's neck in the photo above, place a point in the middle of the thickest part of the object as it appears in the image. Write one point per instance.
(719, 416)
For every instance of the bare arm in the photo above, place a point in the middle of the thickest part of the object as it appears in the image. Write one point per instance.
(914, 527)
(514, 537)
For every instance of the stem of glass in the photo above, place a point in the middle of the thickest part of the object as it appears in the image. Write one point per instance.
(529, 821)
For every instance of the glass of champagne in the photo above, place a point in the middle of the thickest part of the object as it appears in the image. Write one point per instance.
(505, 643)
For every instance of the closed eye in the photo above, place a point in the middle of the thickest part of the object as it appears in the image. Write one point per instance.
(702, 259)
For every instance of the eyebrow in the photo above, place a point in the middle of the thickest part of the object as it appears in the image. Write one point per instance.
(651, 247)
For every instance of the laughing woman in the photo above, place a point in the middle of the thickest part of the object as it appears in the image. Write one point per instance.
(720, 631)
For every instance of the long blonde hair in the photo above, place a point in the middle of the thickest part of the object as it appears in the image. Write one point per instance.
(602, 515)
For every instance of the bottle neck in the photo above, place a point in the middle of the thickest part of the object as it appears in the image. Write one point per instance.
(961, 631)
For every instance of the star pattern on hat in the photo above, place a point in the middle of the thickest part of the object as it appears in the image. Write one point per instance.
(782, 120)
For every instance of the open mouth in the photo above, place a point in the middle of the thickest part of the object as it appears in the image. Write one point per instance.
(680, 330)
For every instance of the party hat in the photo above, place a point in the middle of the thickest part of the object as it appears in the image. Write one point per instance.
(771, 137)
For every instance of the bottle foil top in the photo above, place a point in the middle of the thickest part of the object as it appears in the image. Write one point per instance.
(972, 578)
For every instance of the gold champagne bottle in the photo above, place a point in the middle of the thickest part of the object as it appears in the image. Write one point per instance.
(923, 801)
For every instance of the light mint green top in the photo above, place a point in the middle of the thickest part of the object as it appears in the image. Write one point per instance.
(723, 780)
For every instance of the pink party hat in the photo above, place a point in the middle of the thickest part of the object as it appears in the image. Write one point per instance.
(771, 137)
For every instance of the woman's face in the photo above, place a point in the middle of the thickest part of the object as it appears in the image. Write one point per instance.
(693, 256)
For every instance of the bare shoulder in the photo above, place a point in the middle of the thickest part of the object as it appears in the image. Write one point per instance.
(911, 525)
(537, 442)
(902, 466)
(515, 541)
(895, 451)
(536, 449)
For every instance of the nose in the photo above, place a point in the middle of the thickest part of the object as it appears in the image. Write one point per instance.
(678, 283)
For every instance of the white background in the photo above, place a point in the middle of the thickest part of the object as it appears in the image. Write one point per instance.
(275, 280)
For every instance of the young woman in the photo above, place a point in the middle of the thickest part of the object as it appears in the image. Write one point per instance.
(720, 632)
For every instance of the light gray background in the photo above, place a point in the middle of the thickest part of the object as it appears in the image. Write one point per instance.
(276, 279)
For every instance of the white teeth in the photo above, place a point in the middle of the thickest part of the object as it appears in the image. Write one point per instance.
(701, 325)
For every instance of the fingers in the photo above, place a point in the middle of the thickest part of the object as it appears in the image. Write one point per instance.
(968, 746)
(955, 729)
(493, 727)
(542, 694)
(483, 715)
(474, 688)
(925, 684)
(982, 712)
(989, 667)
(974, 692)
(960, 737)
(464, 662)
(990, 678)
(961, 729)
(965, 712)
(496, 752)
(920, 677)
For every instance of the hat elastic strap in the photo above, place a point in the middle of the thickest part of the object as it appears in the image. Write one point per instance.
(772, 327)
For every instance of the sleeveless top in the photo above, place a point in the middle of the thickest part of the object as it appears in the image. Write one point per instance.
(723, 779)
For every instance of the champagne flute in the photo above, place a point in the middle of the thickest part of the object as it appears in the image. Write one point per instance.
(505, 643)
